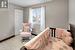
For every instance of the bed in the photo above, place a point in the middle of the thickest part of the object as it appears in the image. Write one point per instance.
(50, 39)
(72, 28)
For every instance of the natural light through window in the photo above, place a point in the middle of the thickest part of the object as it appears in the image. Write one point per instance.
(37, 16)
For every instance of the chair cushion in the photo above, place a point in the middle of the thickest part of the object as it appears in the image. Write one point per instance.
(25, 34)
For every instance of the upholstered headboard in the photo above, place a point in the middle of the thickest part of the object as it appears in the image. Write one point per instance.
(72, 28)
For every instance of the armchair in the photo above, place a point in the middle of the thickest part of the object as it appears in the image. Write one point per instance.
(26, 32)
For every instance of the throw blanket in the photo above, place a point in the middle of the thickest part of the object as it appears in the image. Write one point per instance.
(56, 44)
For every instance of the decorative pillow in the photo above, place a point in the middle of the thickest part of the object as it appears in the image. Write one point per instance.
(67, 37)
(64, 35)
(26, 27)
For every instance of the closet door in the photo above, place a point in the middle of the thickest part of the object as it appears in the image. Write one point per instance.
(18, 21)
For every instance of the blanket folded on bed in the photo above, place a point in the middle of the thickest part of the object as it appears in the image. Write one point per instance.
(56, 44)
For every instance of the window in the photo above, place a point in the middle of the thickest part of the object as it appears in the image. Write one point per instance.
(37, 17)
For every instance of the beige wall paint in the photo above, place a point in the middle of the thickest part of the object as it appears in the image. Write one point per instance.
(7, 21)
(56, 13)
(25, 14)
(4, 23)
(72, 11)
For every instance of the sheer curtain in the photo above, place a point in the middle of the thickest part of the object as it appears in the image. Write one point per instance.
(37, 12)
(42, 26)
(31, 17)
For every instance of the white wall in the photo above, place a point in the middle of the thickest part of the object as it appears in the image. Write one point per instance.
(56, 13)
(72, 11)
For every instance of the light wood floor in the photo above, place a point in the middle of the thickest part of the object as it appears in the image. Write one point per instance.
(14, 43)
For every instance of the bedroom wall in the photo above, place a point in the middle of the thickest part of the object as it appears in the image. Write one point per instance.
(72, 11)
(25, 14)
(56, 13)
(7, 21)
(4, 23)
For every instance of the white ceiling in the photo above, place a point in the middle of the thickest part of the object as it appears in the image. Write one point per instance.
(25, 3)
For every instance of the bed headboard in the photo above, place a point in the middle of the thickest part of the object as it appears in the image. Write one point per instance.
(72, 28)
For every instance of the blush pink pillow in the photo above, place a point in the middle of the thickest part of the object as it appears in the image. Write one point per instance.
(64, 35)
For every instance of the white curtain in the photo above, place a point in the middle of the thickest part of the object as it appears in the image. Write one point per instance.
(42, 26)
(31, 16)
(42, 17)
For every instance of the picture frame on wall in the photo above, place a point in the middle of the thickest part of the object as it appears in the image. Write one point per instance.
(3, 3)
